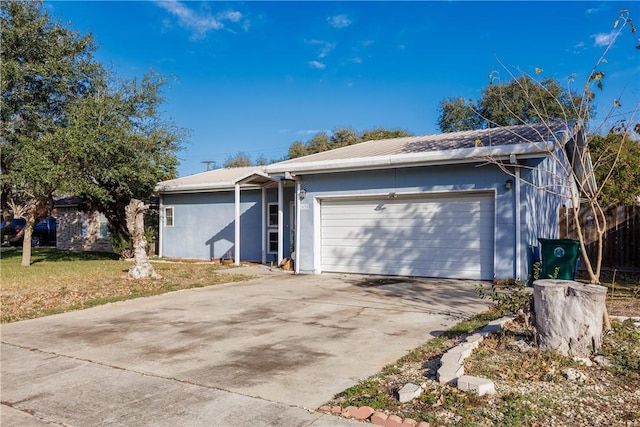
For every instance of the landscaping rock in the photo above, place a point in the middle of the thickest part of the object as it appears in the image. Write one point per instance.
(474, 340)
(572, 374)
(379, 418)
(393, 421)
(602, 361)
(481, 386)
(449, 372)
(409, 392)
(363, 413)
(520, 346)
(346, 412)
(583, 360)
(451, 357)
(496, 325)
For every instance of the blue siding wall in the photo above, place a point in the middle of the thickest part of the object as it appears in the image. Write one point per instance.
(424, 180)
(544, 191)
(204, 225)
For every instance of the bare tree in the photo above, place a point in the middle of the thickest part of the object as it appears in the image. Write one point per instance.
(573, 172)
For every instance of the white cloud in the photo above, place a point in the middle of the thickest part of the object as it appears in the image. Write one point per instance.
(325, 47)
(356, 60)
(591, 10)
(339, 21)
(317, 65)
(603, 39)
(230, 15)
(199, 23)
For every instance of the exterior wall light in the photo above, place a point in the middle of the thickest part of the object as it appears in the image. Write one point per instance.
(508, 185)
(302, 194)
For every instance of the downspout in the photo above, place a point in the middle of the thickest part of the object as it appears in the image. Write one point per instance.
(264, 225)
(160, 226)
(280, 222)
(518, 223)
(237, 225)
(296, 263)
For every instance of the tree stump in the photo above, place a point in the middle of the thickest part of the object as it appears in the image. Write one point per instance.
(135, 224)
(569, 316)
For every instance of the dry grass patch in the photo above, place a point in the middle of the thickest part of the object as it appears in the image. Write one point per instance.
(59, 281)
(623, 296)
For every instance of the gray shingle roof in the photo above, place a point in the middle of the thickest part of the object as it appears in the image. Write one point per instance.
(446, 141)
(396, 152)
(219, 178)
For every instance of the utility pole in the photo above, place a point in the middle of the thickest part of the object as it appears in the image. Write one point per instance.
(208, 163)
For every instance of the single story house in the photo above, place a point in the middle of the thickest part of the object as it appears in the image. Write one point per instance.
(467, 205)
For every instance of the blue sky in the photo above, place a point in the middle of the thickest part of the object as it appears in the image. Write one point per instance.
(254, 77)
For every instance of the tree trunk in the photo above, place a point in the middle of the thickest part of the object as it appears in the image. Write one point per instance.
(135, 223)
(569, 316)
(27, 233)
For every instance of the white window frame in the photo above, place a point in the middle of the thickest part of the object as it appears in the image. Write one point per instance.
(167, 216)
(272, 232)
(269, 215)
(103, 225)
(272, 228)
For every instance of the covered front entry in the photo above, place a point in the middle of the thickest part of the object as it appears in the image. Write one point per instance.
(448, 236)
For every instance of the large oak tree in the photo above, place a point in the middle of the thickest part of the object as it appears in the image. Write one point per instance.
(69, 127)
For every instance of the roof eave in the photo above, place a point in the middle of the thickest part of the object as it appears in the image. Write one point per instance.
(431, 158)
(201, 188)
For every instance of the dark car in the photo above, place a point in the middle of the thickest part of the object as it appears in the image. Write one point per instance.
(44, 232)
(12, 230)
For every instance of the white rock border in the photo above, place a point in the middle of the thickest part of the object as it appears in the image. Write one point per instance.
(451, 369)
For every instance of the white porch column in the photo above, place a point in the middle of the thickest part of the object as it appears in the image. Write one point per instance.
(518, 224)
(236, 221)
(296, 262)
(280, 222)
(160, 226)
(264, 225)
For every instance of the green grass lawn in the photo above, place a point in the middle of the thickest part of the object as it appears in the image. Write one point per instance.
(59, 281)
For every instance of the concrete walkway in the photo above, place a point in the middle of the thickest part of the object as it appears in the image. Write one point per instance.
(264, 352)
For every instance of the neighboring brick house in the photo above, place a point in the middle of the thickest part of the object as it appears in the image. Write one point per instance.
(79, 230)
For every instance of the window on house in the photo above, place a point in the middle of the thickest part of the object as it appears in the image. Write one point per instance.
(273, 215)
(273, 242)
(84, 228)
(104, 226)
(168, 217)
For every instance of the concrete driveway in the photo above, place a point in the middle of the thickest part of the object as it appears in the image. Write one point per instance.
(263, 352)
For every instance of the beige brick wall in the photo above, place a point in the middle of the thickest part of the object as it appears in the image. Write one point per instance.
(82, 231)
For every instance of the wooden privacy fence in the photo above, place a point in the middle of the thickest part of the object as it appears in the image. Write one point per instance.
(621, 241)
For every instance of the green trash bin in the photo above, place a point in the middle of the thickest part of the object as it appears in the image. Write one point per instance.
(560, 254)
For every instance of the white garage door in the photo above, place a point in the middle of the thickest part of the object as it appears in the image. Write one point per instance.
(444, 236)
